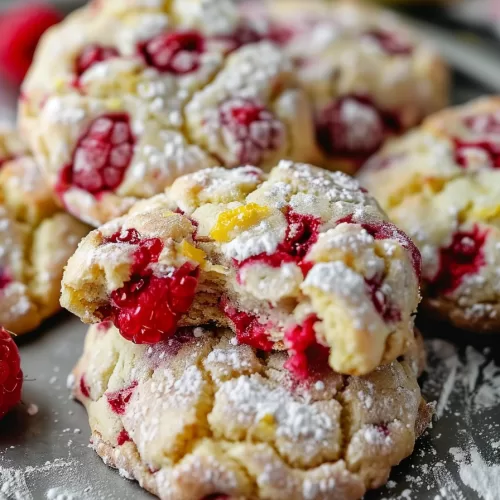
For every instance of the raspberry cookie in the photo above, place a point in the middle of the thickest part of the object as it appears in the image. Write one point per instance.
(368, 76)
(36, 240)
(301, 259)
(121, 102)
(198, 417)
(441, 184)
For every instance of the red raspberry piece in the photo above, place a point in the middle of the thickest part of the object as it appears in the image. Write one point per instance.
(351, 126)
(21, 27)
(119, 400)
(177, 52)
(147, 308)
(101, 156)
(122, 438)
(248, 328)
(308, 357)
(5, 279)
(487, 128)
(463, 257)
(84, 388)
(381, 302)
(11, 375)
(250, 130)
(93, 54)
(389, 42)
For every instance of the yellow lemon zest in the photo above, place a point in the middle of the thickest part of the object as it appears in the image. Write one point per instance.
(193, 253)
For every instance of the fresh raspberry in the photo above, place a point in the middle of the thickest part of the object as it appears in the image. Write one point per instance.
(119, 400)
(93, 54)
(11, 375)
(485, 147)
(147, 308)
(301, 233)
(389, 42)
(101, 156)
(248, 328)
(244, 34)
(5, 279)
(122, 438)
(463, 257)
(177, 52)
(308, 357)
(250, 130)
(21, 28)
(350, 126)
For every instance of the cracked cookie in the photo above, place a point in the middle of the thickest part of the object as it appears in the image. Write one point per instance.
(300, 259)
(198, 416)
(121, 102)
(368, 75)
(441, 184)
(36, 240)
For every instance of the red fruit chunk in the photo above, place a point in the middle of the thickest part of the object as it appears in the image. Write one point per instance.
(250, 129)
(21, 28)
(389, 42)
(178, 52)
(5, 279)
(383, 306)
(11, 375)
(119, 400)
(487, 124)
(302, 232)
(123, 437)
(308, 357)
(147, 308)
(93, 54)
(463, 257)
(84, 388)
(248, 328)
(244, 34)
(351, 125)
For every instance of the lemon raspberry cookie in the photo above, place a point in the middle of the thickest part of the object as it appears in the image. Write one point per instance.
(300, 259)
(36, 240)
(119, 103)
(196, 416)
(368, 76)
(441, 184)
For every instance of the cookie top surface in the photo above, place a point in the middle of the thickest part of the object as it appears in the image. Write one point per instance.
(35, 242)
(196, 415)
(441, 184)
(368, 75)
(299, 258)
(119, 103)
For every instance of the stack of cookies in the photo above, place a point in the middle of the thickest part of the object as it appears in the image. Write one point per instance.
(252, 315)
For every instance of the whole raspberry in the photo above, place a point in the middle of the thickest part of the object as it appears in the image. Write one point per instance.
(178, 52)
(101, 156)
(93, 54)
(21, 28)
(250, 131)
(11, 375)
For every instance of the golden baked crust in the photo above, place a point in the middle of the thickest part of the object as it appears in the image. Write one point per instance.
(177, 87)
(36, 240)
(197, 415)
(301, 248)
(441, 184)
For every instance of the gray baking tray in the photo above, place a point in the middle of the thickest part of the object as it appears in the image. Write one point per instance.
(44, 451)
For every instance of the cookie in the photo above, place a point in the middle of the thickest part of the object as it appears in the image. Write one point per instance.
(121, 102)
(198, 417)
(368, 75)
(301, 259)
(36, 240)
(441, 184)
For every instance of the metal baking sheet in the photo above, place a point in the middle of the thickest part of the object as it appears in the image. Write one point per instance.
(44, 451)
